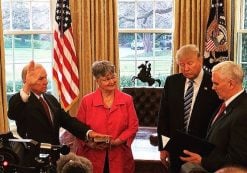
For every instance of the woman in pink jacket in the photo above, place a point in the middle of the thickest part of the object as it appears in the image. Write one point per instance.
(108, 111)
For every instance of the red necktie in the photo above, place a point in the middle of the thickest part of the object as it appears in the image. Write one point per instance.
(44, 104)
(221, 110)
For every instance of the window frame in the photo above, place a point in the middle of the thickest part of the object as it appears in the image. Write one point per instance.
(141, 31)
(13, 32)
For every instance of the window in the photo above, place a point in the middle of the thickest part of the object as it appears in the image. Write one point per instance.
(145, 40)
(241, 32)
(27, 35)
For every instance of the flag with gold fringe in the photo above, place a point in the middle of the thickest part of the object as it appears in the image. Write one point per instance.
(65, 64)
(216, 46)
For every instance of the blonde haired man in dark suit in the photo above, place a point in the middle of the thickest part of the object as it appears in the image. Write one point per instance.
(204, 102)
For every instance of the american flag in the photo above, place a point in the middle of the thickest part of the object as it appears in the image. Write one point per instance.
(210, 45)
(216, 46)
(210, 40)
(65, 71)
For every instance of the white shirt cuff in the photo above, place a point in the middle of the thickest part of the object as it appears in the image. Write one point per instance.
(87, 135)
(24, 96)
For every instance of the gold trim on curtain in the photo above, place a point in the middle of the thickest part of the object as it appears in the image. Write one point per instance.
(191, 17)
(95, 36)
(3, 97)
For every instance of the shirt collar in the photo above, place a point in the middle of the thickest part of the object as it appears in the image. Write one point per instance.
(98, 101)
(198, 79)
(227, 102)
(38, 96)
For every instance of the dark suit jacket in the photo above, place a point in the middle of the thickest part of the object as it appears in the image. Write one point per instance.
(32, 122)
(229, 134)
(171, 114)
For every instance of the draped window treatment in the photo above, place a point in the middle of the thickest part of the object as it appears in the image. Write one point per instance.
(191, 17)
(95, 36)
(3, 97)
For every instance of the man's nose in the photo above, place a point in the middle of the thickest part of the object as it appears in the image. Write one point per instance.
(45, 81)
(186, 67)
(213, 87)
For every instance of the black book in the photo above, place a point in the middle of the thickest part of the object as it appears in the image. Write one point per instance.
(183, 141)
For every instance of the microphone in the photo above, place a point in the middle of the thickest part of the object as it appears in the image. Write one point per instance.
(63, 149)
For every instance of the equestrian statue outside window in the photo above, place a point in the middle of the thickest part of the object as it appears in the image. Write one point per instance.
(145, 74)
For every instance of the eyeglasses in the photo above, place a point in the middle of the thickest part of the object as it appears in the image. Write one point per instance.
(108, 78)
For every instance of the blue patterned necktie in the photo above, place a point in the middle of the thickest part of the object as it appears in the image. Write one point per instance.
(187, 104)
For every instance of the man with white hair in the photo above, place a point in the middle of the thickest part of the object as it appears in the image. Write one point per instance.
(228, 129)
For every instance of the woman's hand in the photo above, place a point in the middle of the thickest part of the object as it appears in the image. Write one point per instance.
(97, 145)
(116, 142)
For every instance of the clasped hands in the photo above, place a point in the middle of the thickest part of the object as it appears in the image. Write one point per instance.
(101, 141)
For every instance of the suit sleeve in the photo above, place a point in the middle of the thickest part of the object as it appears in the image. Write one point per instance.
(70, 123)
(163, 117)
(17, 111)
(236, 151)
(16, 107)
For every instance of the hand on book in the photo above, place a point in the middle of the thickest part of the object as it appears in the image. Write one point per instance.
(102, 139)
(98, 141)
(98, 137)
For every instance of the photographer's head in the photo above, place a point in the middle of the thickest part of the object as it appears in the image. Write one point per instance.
(72, 163)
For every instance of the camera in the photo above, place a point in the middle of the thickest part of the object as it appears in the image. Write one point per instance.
(28, 156)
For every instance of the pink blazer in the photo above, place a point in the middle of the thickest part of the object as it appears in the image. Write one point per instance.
(120, 122)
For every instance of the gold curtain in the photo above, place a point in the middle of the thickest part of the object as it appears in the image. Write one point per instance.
(95, 36)
(3, 102)
(191, 17)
